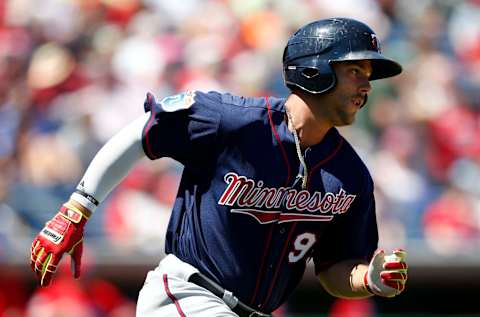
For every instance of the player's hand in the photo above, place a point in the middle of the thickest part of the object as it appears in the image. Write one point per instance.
(387, 274)
(64, 233)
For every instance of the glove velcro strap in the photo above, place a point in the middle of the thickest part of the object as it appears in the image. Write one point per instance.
(357, 280)
(72, 213)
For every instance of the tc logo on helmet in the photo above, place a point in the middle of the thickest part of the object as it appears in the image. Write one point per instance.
(375, 43)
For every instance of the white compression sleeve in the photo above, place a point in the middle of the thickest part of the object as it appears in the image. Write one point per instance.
(114, 160)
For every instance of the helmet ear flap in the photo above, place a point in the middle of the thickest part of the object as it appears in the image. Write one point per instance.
(312, 79)
(310, 72)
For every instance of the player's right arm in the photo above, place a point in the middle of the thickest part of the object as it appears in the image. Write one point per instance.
(64, 232)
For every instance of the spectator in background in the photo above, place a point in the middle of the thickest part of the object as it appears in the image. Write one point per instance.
(352, 308)
(143, 198)
(452, 221)
(88, 298)
(13, 294)
(437, 100)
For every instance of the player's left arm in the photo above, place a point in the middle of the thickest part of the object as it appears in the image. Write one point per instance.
(385, 275)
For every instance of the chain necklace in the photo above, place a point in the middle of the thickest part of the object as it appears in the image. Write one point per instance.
(299, 151)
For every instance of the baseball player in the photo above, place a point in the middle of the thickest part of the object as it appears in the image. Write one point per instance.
(268, 184)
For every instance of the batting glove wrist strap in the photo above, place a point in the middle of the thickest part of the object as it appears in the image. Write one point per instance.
(72, 213)
(62, 234)
(84, 199)
(387, 274)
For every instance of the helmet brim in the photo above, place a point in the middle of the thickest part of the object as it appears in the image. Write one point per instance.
(382, 67)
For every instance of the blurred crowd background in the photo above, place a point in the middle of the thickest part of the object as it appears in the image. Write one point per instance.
(73, 72)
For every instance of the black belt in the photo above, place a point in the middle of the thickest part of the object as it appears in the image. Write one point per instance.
(237, 306)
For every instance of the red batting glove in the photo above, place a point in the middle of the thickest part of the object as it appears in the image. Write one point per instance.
(64, 233)
(387, 274)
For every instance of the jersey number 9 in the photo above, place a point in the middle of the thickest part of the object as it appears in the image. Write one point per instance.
(301, 246)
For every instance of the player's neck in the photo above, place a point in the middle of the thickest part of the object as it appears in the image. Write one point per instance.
(310, 129)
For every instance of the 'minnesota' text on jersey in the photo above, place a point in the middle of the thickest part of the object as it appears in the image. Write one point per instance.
(241, 216)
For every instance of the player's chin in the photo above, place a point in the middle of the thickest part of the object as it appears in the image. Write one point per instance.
(346, 119)
(350, 112)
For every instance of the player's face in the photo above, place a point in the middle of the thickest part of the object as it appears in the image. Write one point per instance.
(342, 103)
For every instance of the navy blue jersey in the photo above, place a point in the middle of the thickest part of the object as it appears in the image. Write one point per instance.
(241, 216)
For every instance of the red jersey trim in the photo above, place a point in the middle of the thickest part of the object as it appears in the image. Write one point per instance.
(170, 295)
(325, 160)
(282, 149)
(289, 175)
(329, 157)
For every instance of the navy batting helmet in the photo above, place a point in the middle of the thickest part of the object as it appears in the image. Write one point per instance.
(310, 51)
